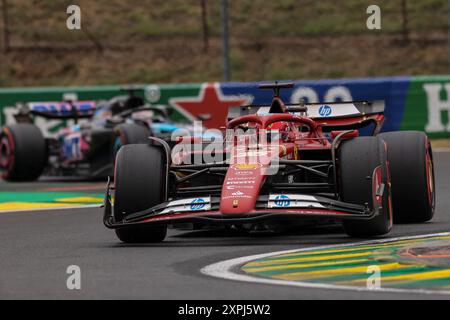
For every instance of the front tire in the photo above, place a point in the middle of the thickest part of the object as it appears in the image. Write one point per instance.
(140, 184)
(23, 152)
(359, 159)
(411, 164)
(130, 133)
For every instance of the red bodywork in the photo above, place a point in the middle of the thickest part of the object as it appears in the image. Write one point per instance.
(242, 160)
(241, 198)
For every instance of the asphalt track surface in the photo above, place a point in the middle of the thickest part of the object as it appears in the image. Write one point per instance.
(37, 247)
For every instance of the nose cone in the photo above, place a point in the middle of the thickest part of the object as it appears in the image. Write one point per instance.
(241, 188)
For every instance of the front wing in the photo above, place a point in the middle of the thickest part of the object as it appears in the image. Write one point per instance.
(268, 208)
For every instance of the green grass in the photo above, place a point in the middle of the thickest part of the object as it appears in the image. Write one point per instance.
(278, 39)
(116, 19)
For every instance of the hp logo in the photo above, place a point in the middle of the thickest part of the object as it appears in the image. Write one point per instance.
(197, 204)
(325, 111)
(282, 201)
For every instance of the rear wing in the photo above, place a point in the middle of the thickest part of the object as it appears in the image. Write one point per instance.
(316, 111)
(337, 110)
(59, 110)
(331, 116)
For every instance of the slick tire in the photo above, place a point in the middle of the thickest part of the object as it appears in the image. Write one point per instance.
(412, 173)
(359, 158)
(130, 133)
(140, 184)
(23, 152)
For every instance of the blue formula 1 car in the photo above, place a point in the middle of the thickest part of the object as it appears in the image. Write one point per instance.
(87, 146)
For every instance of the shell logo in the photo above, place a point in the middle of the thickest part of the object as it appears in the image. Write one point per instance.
(246, 166)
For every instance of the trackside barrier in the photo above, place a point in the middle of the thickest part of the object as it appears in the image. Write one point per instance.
(412, 103)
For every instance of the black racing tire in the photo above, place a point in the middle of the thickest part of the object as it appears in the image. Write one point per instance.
(358, 159)
(140, 183)
(412, 173)
(130, 133)
(23, 152)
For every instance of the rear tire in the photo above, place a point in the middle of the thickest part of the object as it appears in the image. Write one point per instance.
(358, 159)
(411, 165)
(23, 152)
(140, 184)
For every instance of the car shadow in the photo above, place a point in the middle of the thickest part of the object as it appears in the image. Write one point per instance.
(309, 236)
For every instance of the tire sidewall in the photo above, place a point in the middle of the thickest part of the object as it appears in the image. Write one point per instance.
(412, 171)
(359, 158)
(7, 142)
(28, 150)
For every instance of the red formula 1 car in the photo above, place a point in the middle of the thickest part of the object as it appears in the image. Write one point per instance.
(280, 164)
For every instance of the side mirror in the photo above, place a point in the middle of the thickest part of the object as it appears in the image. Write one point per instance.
(204, 117)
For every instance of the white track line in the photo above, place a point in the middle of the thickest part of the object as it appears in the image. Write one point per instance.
(52, 209)
(224, 269)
